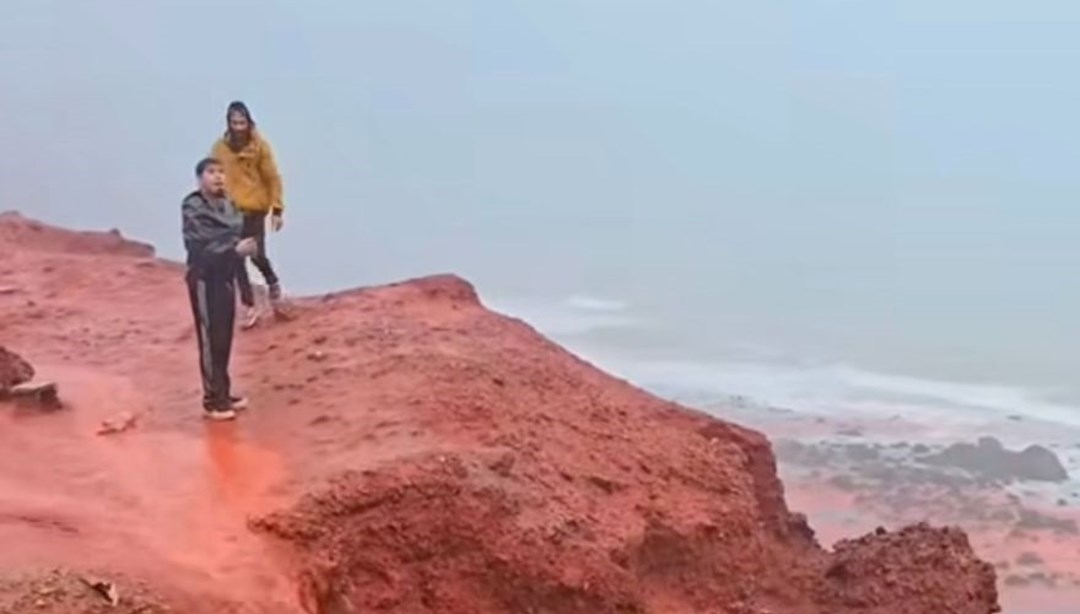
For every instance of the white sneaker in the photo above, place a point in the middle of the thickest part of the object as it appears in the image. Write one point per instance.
(250, 318)
(219, 415)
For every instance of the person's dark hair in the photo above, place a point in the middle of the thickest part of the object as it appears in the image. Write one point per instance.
(204, 164)
(239, 107)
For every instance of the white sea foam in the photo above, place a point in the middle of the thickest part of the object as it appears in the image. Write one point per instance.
(592, 303)
(818, 388)
(573, 316)
(945, 412)
(827, 388)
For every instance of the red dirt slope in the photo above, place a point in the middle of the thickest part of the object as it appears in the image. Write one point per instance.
(408, 451)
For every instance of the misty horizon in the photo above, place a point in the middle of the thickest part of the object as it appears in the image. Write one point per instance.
(887, 185)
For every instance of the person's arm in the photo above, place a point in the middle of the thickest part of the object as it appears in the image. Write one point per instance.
(195, 239)
(268, 170)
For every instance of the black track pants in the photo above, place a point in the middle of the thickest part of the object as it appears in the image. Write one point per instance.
(255, 227)
(213, 302)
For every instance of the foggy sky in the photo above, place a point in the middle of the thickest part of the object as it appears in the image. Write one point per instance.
(883, 182)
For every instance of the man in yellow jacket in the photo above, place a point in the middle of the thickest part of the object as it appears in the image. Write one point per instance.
(254, 186)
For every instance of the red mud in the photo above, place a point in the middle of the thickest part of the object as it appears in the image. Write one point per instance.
(407, 451)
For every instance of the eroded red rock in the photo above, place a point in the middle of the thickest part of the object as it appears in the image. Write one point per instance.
(437, 457)
(926, 569)
(19, 232)
(14, 370)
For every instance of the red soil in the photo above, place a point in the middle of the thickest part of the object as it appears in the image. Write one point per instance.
(408, 451)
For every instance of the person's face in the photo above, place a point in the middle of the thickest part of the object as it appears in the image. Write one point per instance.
(212, 181)
(238, 123)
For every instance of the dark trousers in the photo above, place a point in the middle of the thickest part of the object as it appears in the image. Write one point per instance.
(255, 226)
(213, 302)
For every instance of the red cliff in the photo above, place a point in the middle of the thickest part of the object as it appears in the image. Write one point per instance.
(407, 451)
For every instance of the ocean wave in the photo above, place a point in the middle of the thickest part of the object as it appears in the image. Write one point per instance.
(772, 378)
(591, 303)
(835, 389)
(572, 316)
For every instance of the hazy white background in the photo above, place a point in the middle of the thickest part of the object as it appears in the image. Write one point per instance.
(886, 184)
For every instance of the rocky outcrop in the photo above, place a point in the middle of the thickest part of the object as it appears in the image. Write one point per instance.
(413, 452)
(64, 592)
(549, 486)
(14, 370)
(990, 459)
(18, 232)
(926, 569)
(16, 385)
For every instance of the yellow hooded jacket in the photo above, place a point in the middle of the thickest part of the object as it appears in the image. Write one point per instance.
(251, 175)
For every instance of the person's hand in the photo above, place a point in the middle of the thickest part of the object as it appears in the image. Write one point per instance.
(247, 247)
(277, 222)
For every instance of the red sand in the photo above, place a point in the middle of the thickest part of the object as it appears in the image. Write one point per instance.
(408, 451)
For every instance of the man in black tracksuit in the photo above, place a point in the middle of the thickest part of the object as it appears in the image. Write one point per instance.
(215, 251)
